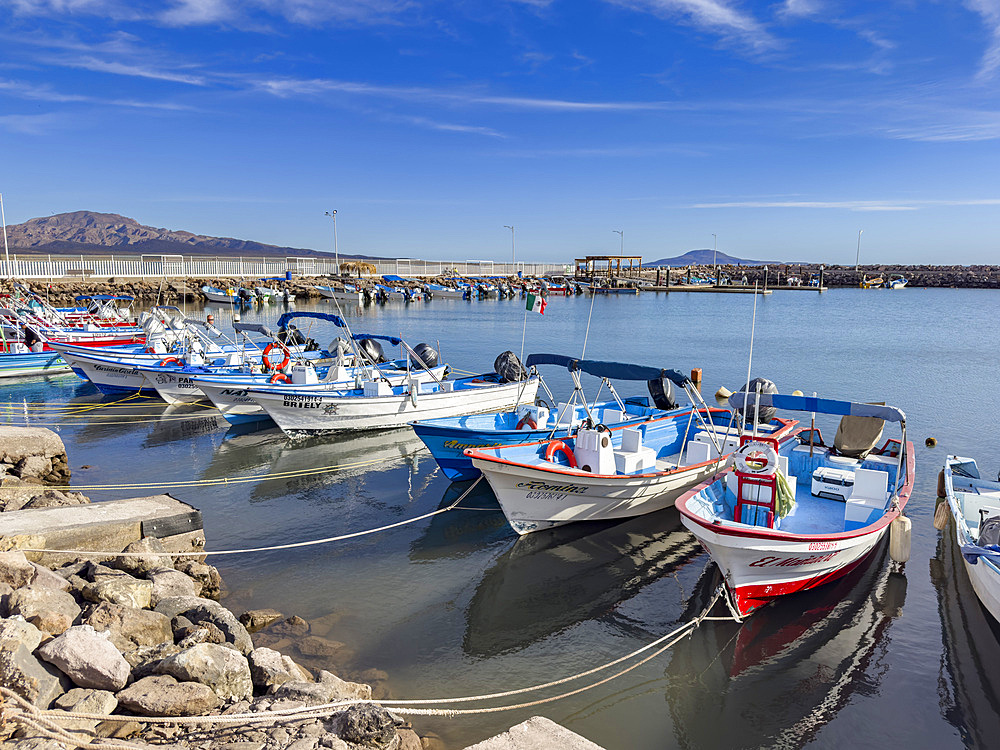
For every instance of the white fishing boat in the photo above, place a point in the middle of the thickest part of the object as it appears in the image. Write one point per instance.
(602, 473)
(974, 503)
(788, 517)
(440, 291)
(347, 293)
(378, 405)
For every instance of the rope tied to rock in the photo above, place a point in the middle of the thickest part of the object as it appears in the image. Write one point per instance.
(27, 712)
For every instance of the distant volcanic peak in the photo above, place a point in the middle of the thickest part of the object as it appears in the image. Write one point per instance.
(706, 257)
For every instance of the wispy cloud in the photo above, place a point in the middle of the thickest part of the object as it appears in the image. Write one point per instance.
(714, 16)
(990, 12)
(793, 9)
(29, 124)
(45, 93)
(449, 127)
(883, 205)
(126, 69)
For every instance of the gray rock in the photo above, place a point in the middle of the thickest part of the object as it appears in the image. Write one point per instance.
(36, 743)
(224, 670)
(143, 565)
(313, 645)
(45, 578)
(256, 619)
(129, 627)
(327, 689)
(49, 610)
(205, 575)
(88, 658)
(268, 669)
(162, 695)
(87, 701)
(55, 499)
(206, 632)
(16, 630)
(125, 590)
(33, 680)
(145, 659)
(15, 570)
(18, 442)
(342, 689)
(33, 466)
(95, 571)
(175, 605)
(5, 592)
(368, 725)
(168, 582)
(224, 620)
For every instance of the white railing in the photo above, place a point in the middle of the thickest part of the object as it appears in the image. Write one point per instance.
(166, 266)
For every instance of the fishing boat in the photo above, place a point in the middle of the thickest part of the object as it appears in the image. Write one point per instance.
(787, 517)
(974, 503)
(17, 361)
(447, 438)
(897, 281)
(349, 293)
(875, 282)
(446, 292)
(603, 473)
(378, 405)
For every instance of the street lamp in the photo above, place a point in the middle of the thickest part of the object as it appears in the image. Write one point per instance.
(622, 233)
(715, 258)
(336, 251)
(857, 260)
(513, 257)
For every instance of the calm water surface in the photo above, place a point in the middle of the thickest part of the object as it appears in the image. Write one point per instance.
(458, 605)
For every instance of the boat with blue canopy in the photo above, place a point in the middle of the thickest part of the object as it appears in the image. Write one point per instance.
(974, 503)
(447, 438)
(791, 515)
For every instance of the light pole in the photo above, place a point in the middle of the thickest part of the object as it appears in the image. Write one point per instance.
(715, 258)
(621, 232)
(336, 250)
(513, 256)
(857, 260)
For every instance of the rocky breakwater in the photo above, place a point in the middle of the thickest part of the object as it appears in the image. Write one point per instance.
(31, 458)
(142, 634)
(947, 277)
(151, 291)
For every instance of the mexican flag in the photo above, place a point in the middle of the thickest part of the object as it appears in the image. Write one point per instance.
(535, 304)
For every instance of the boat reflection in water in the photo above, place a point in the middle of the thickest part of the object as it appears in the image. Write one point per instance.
(345, 456)
(783, 674)
(476, 524)
(556, 578)
(969, 682)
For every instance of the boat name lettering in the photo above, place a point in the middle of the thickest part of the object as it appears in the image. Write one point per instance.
(299, 402)
(816, 546)
(113, 370)
(536, 485)
(233, 392)
(462, 446)
(791, 562)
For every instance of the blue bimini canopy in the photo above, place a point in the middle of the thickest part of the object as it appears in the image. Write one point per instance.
(335, 319)
(610, 370)
(391, 339)
(103, 297)
(399, 279)
(819, 405)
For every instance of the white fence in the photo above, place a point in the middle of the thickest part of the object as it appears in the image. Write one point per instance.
(160, 266)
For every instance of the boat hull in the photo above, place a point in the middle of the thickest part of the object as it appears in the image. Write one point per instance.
(537, 498)
(302, 411)
(13, 365)
(448, 444)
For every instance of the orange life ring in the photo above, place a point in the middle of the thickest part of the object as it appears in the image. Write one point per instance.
(280, 376)
(268, 365)
(528, 420)
(559, 445)
(167, 360)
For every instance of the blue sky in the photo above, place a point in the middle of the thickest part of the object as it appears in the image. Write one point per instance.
(783, 127)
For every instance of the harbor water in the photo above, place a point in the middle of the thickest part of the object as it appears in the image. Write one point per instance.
(457, 604)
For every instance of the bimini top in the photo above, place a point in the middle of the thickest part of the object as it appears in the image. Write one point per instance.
(819, 405)
(288, 316)
(611, 370)
(103, 297)
(399, 279)
(391, 339)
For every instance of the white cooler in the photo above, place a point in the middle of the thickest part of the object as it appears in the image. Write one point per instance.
(835, 484)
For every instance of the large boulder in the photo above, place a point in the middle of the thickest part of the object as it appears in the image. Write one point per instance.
(17, 630)
(36, 682)
(145, 659)
(269, 668)
(17, 443)
(129, 627)
(149, 556)
(224, 670)
(84, 701)
(124, 590)
(15, 570)
(33, 466)
(168, 582)
(368, 725)
(327, 689)
(257, 619)
(47, 609)
(210, 611)
(45, 578)
(204, 575)
(88, 658)
(163, 695)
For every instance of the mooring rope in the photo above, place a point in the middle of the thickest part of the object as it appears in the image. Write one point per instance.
(248, 550)
(25, 710)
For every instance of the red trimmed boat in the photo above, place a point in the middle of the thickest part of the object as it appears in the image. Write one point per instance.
(789, 517)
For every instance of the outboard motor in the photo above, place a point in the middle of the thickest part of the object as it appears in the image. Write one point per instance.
(662, 391)
(427, 354)
(291, 336)
(766, 412)
(372, 350)
(509, 367)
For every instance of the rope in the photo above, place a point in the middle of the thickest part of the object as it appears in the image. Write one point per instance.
(402, 706)
(290, 474)
(290, 545)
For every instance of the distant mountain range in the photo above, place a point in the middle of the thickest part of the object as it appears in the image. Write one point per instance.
(706, 258)
(92, 233)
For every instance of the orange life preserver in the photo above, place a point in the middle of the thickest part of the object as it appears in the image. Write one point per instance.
(559, 445)
(167, 360)
(267, 362)
(528, 420)
(279, 376)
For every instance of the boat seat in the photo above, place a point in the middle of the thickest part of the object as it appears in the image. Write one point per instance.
(869, 494)
(633, 457)
(698, 452)
(612, 416)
